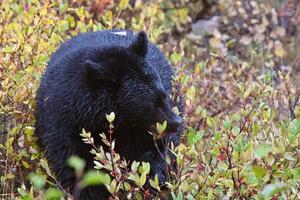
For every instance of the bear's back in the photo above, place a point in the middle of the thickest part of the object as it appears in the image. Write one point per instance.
(99, 39)
(122, 38)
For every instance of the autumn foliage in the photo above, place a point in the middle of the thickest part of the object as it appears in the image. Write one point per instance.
(241, 87)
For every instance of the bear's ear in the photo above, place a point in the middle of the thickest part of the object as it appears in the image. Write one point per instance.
(140, 44)
(95, 72)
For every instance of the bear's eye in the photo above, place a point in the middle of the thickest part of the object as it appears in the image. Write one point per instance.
(159, 100)
(162, 95)
(148, 78)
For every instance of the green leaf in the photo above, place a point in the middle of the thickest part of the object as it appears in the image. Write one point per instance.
(154, 183)
(95, 177)
(289, 156)
(295, 126)
(210, 121)
(23, 193)
(38, 181)
(247, 92)
(161, 127)
(134, 166)
(270, 190)
(77, 163)
(25, 164)
(178, 197)
(191, 93)
(259, 171)
(45, 165)
(63, 7)
(112, 187)
(262, 150)
(255, 129)
(175, 57)
(135, 178)
(127, 186)
(296, 173)
(53, 194)
(227, 124)
(218, 136)
(62, 25)
(8, 49)
(145, 168)
(193, 137)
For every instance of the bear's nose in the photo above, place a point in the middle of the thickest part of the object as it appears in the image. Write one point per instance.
(174, 123)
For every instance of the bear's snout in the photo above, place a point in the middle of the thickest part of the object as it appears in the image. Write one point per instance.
(173, 120)
(174, 124)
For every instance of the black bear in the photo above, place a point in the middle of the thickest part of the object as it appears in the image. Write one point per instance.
(92, 75)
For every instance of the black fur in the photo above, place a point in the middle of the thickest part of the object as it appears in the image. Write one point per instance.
(92, 75)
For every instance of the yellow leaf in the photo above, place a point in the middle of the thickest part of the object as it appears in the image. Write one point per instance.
(111, 117)
(279, 52)
(25, 164)
(43, 11)
(123, 4)
(215, 43)
(247, 92)
(142, 179)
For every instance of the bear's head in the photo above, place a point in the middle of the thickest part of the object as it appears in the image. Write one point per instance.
(132, 84)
